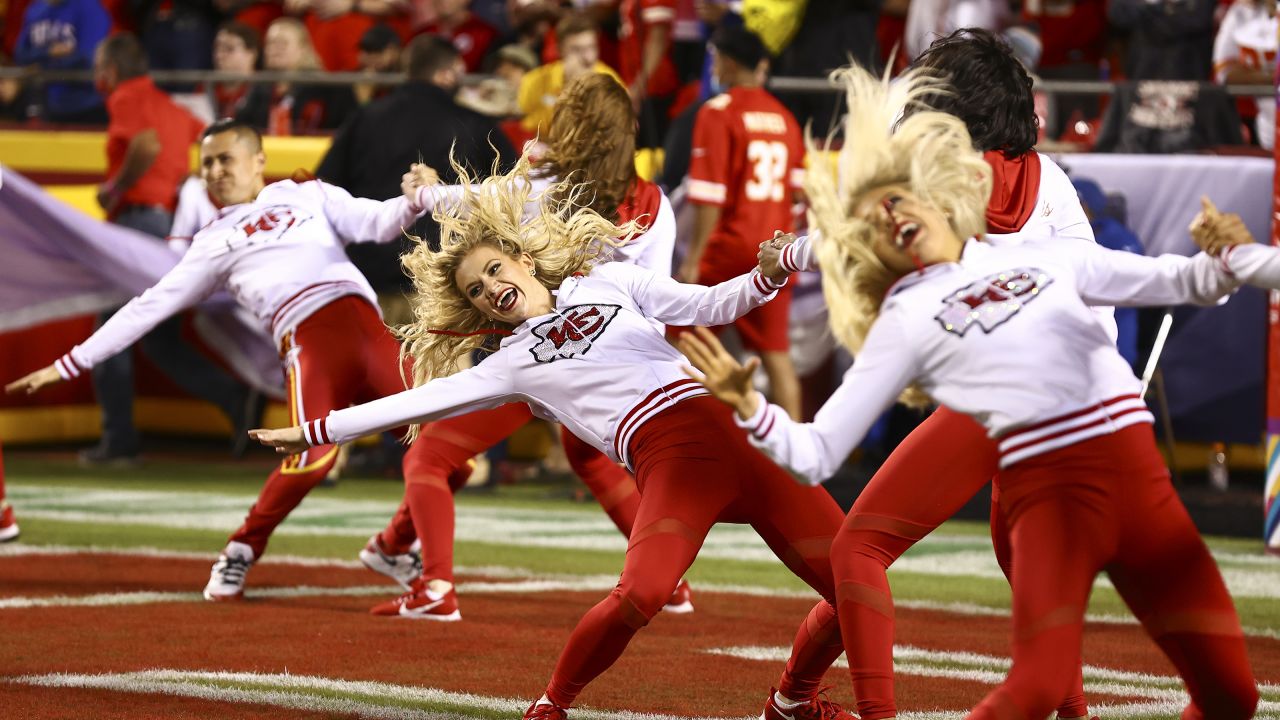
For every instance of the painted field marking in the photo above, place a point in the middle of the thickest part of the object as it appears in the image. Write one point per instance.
(991, 670)
(537, 582)
(401, 702)
(579, 529)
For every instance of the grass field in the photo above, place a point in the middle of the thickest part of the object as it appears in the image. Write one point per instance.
(100, 609)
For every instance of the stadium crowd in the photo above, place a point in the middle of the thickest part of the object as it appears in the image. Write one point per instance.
(529, 49)
(566, 93)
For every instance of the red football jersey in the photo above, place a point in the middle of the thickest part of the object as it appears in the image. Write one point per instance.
(635, 19)
(748, 157)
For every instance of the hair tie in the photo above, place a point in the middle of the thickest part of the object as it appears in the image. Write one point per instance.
(473, 333)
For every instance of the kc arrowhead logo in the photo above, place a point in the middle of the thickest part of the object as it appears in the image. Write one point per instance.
(571, 333)
(991, 301)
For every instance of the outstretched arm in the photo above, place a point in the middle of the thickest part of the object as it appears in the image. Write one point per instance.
(811, 451)
(665, 300)
(187, 283)
(480, 387)
(364, 220)
(1231, 258)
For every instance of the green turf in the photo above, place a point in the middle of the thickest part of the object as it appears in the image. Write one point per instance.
(245, 479)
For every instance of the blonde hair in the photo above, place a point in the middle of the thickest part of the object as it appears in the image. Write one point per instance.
(890, 137)
(592, 139)
(564, 237)
(927, 152)
(310, 58)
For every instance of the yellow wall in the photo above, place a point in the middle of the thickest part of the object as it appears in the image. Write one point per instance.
(84, 153)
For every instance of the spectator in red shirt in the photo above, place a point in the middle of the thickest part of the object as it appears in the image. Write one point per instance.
(472, 36)
(644, 37)
(747, 164)
(336, 26)
(149, 139)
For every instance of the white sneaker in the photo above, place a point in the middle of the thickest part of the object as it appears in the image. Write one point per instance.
(404, 568)
(226, 580)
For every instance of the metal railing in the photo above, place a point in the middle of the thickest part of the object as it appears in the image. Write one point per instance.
(782, 84)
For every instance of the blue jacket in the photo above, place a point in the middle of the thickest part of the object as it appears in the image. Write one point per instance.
(46, 24)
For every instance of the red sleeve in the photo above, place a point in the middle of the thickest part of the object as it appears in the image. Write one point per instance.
(710, 161)
(657, 12)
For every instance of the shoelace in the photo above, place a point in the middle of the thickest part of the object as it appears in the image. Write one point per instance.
(232, 569)
(827, 709)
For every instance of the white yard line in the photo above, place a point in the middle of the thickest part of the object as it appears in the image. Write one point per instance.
(396, 702)
(535, 582)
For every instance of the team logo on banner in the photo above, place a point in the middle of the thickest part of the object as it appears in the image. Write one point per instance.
(990, 302)
(572, 332)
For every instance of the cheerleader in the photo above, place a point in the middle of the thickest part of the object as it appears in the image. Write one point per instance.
(991, 92)
(1004, 334)
(591, 139)
(581, 348)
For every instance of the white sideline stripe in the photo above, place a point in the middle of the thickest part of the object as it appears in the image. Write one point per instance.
(568, 583)
(286, 693)
(290, 691)
(991, 670)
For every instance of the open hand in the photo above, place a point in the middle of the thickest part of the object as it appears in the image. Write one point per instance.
(286, 441)
(1213, 230)
(47, 375)
(770, 256)
(727, 379)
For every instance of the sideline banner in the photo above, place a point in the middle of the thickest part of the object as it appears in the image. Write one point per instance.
(60, 263)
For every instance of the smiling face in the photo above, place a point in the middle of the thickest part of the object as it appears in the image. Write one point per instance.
(908, 232)
(502, 286)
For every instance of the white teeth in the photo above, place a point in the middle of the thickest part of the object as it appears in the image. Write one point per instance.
(906, 233)
(507, 299)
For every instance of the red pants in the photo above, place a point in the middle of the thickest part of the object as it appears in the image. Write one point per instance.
(436, 466)
(339, 356)
(694, 468)
(1107, 504)
(939, 467)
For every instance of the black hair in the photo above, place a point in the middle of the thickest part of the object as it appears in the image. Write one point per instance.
(427, 54)
(242, 129)
(247, 35)
(991, 90)
(123, 51)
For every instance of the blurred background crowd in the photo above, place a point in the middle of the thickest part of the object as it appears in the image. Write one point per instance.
(527, 49)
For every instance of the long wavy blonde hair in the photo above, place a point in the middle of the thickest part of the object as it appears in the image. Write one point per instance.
(563, 237)
(592, 138)
(930, 153)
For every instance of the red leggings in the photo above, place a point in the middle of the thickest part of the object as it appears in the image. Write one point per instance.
(1107, 504)
(694, 468)
(340, 355)
(939, 467)
(436, 466)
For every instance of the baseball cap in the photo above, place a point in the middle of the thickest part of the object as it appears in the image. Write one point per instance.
(739, 44)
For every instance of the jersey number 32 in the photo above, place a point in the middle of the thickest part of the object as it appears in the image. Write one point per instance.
(769, 170)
